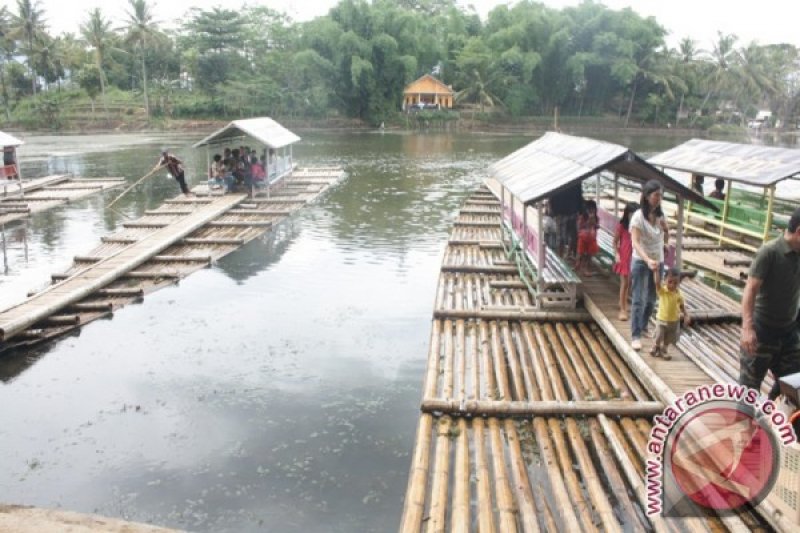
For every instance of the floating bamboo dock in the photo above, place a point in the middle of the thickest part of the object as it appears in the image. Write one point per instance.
(162, 247)
(21, 200)
(534, 419)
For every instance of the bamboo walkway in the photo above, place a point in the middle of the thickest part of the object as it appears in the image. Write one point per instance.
(20, 201)
(165, 245)
(532, 420)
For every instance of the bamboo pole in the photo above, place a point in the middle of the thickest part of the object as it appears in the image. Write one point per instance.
(432, 375)
(634, 480)
(440, 478)
(155, 274)
(506, 408)
(549, 519)
(576, 496)
(510, 313)
(564, 507)
(594, 486)
(484, 496)
(214, 241)
(461, 482)
(505, 501)
(126, 292)
(447, 375)
(241, 224)
(518, 391)
(519, 478)
(102, 307)
(615, 481)
(654, 383)
(414, 506)
(501, 375)
(137, 182)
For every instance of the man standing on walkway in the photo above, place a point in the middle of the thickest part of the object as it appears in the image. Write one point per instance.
(770, 331)
(175, 168)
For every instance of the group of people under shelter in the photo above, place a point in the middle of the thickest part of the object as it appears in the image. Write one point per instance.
(238, 168)
(770, 335)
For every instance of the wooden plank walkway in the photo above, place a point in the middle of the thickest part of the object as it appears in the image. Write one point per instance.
(36, 195)
(164, 246)
(522, 425)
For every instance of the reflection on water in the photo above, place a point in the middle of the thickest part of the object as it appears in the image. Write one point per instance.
(276, 390)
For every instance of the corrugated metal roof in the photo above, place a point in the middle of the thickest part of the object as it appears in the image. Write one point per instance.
(9, 140)
(262, 129)
(744, 163)
(555, 161)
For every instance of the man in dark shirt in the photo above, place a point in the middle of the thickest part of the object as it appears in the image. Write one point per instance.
(564, 208)
(770, 334)
(175, 168)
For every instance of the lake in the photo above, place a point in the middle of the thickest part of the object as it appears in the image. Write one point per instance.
(279, 389)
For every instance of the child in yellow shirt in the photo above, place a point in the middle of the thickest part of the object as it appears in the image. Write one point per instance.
(668, 319)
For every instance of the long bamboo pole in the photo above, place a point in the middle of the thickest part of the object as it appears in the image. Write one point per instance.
(441, 477)
(137, 182)
(506, 408)
(461, 482)
(414, 507)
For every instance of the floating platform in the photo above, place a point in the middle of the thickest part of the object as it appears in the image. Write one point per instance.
(536, 419)
(162, 247)
(21, 200)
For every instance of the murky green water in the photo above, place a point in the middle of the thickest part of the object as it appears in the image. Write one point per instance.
(275, 391)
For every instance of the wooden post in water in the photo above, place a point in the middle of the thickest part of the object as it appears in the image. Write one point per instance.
(770, 207)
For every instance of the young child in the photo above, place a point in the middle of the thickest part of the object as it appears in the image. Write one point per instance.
(587, 237)
(623, 251)
(668, 319)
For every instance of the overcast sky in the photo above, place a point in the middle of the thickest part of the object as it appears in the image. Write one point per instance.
(765, 21)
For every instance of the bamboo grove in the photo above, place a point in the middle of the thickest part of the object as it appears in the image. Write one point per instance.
(353, 63)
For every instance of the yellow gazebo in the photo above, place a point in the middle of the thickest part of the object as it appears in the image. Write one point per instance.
(427, 93)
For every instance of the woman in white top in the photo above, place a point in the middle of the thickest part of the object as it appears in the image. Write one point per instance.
(649, 236)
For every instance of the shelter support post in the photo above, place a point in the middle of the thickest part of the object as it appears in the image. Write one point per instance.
(725, 210)
(616, 196)
(540, 251)
(770, 207)
(679, 235)
(597, 190)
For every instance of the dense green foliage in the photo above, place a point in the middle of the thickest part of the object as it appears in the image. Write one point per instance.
(525, 60)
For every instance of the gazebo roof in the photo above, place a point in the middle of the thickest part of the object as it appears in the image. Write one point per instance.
(744, 163)
(555, 161)
(427, 84)
(263, 129)
(9, 140)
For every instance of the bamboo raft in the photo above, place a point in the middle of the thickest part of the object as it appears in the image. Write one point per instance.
(32, 196)
(162, 247)
(534, 420)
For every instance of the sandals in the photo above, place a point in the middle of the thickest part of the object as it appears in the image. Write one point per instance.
(660, 352)
(622, 315)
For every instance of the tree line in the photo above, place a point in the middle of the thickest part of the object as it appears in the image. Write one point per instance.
(354, 62)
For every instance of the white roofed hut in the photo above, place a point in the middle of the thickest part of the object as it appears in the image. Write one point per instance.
(747, 218)
(553, 163)
(273, 137)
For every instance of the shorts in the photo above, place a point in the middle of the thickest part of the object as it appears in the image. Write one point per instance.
(667, 332)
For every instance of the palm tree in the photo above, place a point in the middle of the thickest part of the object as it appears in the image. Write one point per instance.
(686, 68)
(723, 59)
(140, 26)
(478, 92)
(7, 47)
(653, 66)
(97, 33)
(29, 25)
